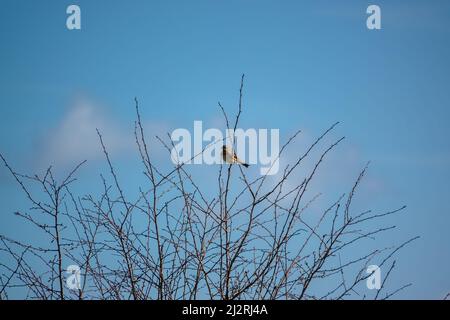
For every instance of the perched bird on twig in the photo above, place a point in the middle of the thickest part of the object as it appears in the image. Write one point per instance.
(230, 157)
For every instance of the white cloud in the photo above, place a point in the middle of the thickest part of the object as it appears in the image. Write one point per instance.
(75, 138)
(336, 174)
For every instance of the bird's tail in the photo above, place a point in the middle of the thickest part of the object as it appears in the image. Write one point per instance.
(245, 165)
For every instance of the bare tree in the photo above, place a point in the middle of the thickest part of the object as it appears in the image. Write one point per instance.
(244, 238)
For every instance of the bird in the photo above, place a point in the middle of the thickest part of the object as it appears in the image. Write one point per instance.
(230, 157)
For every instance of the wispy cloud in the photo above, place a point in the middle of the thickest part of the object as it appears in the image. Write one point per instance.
(75, 138)
(336, 174)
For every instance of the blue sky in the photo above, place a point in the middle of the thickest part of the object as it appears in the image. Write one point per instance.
(307, 65)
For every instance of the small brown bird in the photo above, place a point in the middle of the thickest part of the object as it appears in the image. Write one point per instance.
(230, 157)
